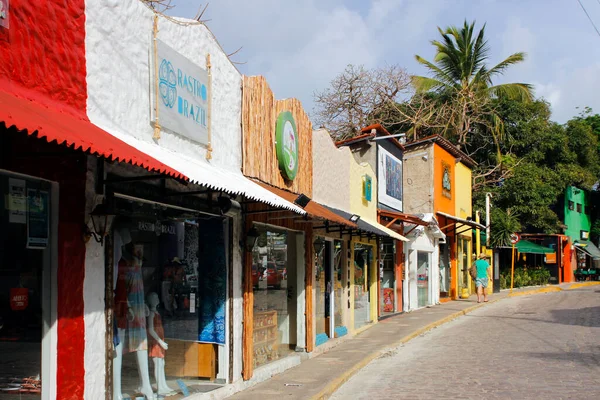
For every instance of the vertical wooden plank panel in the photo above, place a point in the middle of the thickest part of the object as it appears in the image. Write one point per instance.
(310, 333)
(247, 340)
(259, 118)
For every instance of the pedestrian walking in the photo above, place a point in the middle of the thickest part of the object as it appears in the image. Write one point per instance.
(483, 274)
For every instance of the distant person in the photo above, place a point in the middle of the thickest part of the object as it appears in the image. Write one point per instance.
(483, 274)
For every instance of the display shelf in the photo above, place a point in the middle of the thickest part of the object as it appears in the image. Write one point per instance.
(265, 346)
(258, 328)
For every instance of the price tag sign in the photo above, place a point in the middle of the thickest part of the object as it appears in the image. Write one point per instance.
(19, 299)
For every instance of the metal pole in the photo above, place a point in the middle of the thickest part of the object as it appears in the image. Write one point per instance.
(512, 268)
(487, 219)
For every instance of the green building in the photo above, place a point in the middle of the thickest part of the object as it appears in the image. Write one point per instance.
(577, 214)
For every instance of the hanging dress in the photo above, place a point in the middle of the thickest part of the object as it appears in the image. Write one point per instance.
(129, 293)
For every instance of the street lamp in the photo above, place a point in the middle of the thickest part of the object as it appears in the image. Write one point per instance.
(101, 217)
(251, 238)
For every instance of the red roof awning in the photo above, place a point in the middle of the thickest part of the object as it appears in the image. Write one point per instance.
(34, 113)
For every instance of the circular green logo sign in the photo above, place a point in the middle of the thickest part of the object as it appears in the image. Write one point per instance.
(286, 140)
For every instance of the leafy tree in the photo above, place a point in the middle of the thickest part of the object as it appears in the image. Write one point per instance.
(505, 224)
(461, 77)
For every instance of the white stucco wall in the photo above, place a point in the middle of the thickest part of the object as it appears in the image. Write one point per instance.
(93, 303)
(118, 48)
(331, 171)
(238, 302)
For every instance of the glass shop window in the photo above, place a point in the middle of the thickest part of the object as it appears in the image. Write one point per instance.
(571, 205)
(24, 284)
(274, 283)
(579, 208)
(169, 301)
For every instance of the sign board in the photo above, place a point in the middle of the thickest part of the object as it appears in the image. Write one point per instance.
(514, 238)
(286, 145)
(17, 201)
(182, 94)
(38, 219)
(389, 179)
(4, 14)
(367, 187)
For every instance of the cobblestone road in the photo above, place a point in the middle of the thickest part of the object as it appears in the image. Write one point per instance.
(545, 346)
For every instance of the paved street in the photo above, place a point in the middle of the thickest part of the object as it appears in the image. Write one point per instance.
(545, 346)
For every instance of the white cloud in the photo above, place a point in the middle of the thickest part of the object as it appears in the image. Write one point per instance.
(299, 46)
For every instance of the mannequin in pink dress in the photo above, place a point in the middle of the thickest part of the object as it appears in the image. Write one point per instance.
(157, 345)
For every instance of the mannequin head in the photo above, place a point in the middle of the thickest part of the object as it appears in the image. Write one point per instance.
(124, 234)
(152, 299)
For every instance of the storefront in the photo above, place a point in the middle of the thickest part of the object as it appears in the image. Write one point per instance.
(425, 275)
(393, 258)
(170, 271)
(27, 273)
(364, 283)
(275, 272)
(329, 289)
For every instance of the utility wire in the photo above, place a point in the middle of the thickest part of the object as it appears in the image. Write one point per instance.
(588, 15)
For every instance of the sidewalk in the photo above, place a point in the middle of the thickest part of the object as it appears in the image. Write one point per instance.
(320, 376)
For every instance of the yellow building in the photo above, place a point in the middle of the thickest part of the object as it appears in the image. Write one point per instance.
(463, 209)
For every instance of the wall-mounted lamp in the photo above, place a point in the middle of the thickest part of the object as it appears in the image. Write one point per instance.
(354, 218)
(251, 238)
(101, 217)
(302, 200)
(228, 206)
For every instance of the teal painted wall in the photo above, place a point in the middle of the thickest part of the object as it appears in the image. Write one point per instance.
(576, 221)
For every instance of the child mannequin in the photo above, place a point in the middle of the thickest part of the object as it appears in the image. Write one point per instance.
(157, 345)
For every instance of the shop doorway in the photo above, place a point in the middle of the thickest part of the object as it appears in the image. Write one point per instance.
(339, 277)
(444, 271)
(423, 269)
(387, 287)
(323, 287)
(464, 263)
(26, 264)
(363, 258)
(274, 279)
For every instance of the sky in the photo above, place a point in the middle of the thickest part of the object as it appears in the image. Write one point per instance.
(301, 45)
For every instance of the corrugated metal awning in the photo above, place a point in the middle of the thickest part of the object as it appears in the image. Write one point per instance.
(204, 173)
(370, 226)
(313, 208)
(33, 113)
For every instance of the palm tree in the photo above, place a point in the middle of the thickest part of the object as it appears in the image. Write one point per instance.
(463, 83)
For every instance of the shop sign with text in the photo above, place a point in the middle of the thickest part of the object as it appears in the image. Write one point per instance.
(183, 94)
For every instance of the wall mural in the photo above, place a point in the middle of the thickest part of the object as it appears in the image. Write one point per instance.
(446, 180)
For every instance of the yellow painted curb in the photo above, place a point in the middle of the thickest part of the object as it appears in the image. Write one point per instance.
(339, 381)
(535, 291)
(582, 284)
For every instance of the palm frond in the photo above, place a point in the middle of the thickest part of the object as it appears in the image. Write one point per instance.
(513, 59)
(438, 73)
(424, 84)
(513, 91)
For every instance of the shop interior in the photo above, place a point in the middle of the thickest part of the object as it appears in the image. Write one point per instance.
(363, 259)
(170, 292)
(387, 285)
(24, 284)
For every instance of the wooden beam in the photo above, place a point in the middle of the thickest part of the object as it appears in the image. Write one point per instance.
(309, 262)
(247, 339)
(392, 222)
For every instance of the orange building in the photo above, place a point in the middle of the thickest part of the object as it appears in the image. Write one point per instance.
(438, 180)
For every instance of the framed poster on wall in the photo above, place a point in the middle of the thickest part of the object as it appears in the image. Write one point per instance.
(389, 176)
